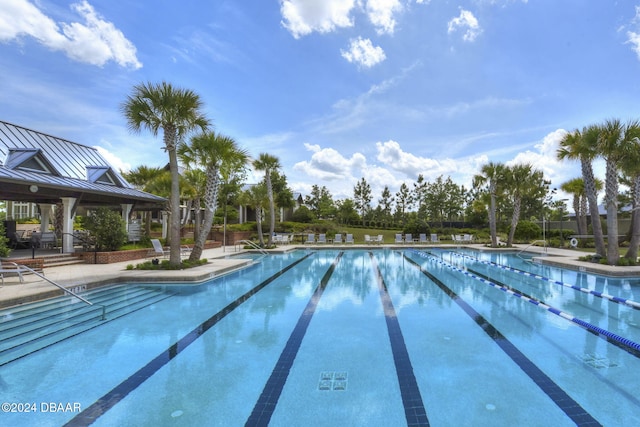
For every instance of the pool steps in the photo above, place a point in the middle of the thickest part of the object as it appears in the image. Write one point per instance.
(29, 328)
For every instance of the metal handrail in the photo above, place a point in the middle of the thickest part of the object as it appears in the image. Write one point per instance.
(255, 246)
(84, 300)
(533, 243)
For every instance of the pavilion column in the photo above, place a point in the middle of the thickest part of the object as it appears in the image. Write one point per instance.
(126, 213)
(67, 223)
(45, 216)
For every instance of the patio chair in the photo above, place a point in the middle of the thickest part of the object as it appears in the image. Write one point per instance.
(349, 238)
(311, 238)
(337, 238)
(408, 238)
(367, 239)
(379, 239)
(322, 238)
(434, 238)
(422, 238)
(398, 239)
(7, 267)
(18, 241)
(157, 250)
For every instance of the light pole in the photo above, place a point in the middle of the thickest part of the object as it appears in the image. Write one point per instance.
(561, 206)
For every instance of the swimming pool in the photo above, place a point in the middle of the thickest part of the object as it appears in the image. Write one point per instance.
(355, 337)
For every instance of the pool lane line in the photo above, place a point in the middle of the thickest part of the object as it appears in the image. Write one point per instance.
(612, 298)
(118, 393)
(266, 404)
(414, 409)
(625, 344)
(569, 406)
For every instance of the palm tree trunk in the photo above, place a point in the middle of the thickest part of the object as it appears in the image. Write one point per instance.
(576, 209)
(210, 202)
(611, 200)
(174, 231)
(592, 197)
(272, 208)
(492, 217)
(259, 225)
(582, 218)
(514, 220)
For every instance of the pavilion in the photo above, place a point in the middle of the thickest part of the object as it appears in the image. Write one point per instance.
(49, 171)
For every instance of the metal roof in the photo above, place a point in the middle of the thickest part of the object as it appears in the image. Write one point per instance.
(67, 169)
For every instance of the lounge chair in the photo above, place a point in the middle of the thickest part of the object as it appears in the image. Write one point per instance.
(18, 241)
(7, 267)
(399, 239)
(408, 238)
(379, 239)
(349, 238)
(434, 238)
(422, 238)
(322, 238)
(337, 238)
(311, 238)
(367, 239)
(157, 250)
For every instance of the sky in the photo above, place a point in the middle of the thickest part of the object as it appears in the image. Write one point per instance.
(338, 90)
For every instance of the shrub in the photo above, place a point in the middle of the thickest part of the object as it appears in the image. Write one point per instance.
(302, 214)
(527, 230)
(4, 249)
(108, 228)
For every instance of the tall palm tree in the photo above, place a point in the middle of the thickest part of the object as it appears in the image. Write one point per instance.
(176, 112)
(520, 180)
(268, 163)
(582, 146)
(615, 145)
(255, 197)
(575, 187)
(630, 167)
(211, 151)
(491, 174)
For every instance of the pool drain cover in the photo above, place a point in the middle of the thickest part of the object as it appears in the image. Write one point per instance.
(597, 361)
(333, 380)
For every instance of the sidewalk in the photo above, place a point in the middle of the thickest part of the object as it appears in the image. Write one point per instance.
(80, 277)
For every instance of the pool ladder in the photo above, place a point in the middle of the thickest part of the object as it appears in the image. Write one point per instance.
(255, 246)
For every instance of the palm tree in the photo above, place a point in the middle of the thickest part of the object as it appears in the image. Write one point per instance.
(211, 151)
(142, 178)
(491, 173)
(630, 166)
(176, 112)
(582, 146)
(520, 180)
(575, 187)
(268, 163)
(615, 145)
(255, 197)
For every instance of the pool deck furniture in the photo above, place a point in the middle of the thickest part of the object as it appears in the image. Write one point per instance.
(337, 238)
(8, 267)
(311, 238)
(322, 238)
(157, 250)
(349, 238)
(399, 239)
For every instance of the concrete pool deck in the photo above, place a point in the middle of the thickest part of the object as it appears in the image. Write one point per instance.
(80, 277)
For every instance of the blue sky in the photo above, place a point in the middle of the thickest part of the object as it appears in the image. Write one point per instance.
(336, 89)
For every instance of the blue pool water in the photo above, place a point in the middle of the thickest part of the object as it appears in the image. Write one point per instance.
(354, 337)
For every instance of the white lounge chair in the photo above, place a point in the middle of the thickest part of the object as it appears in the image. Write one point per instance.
(380, 239)
(157, 250)
(408, 238)
(367, 239)
(337, 238)
(349, 238)
(322, 238)
(8, 267)
(399, 239)
(311, 238)
(434, 238)
(422, 238)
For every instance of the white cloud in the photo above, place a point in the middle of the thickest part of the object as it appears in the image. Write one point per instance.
(328, 164)
(380, 13)
(116, 162)
(95, 41)
(633, 37)
(302, 17)
(391, 154)
(467, 23)
(362, 52)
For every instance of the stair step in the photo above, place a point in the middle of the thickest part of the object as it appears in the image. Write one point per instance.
(33, 328)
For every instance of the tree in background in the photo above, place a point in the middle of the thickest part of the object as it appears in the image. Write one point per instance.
(142, 178)
(385, 204)
(176, 112)
(346, 212)
(522, 180)
(268, 163)
(320, 202)
(403, 203)
(362, 198)
(491, 174)
(256, 197)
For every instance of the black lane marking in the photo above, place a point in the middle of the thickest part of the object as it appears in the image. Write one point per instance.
(266, 404)
(109, 400)
(414, 410)
(569, 406)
